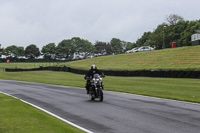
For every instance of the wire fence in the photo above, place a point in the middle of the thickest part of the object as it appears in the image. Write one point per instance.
(3, 66)
(26, 65)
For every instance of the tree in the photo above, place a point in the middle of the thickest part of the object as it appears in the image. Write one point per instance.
(32, 51)
(83, 48)
(141, 41)
(117, 46)
(108, 49)
(21, 51)
(14, 51)
(190, 29)
(173, 19)
(75, 47)
(130, 46)
(100, 47)
(103, 48)
(66, 49)
(49, 51)
(179, 31)
(176, 32)
(158, 37)
(1, 51)
(87, 49)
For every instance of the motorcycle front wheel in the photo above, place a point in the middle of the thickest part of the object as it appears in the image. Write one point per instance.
(92, 97)
(100, 95)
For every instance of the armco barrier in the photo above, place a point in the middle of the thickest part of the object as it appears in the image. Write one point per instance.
(138, 73)
(19, 69)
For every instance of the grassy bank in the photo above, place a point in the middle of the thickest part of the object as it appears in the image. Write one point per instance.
(180, 89)
(184, 58)
(18, 117)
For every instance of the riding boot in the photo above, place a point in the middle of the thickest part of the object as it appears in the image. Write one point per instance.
(87, 90)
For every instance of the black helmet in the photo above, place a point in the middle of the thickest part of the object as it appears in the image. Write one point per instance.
(93, 67)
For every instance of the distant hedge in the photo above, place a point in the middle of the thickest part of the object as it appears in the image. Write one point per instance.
(138, 73)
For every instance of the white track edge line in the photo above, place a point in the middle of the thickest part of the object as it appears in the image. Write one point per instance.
(52, 114)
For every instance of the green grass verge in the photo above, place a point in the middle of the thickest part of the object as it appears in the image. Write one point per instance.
(172, 88)
(184, 58)
(18, 117)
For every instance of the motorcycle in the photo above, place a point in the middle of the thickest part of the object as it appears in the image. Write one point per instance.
(96, 88)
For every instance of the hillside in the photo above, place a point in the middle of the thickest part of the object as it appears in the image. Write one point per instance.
(183, 58)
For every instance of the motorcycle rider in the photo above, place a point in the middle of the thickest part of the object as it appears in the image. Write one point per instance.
(93, 70)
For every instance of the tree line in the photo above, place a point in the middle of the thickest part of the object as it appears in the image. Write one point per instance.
(175, 29)
(68, 49)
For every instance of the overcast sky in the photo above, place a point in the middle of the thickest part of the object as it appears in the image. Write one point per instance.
(25, 22)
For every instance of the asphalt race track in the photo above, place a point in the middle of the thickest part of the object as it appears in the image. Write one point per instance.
(118, 113)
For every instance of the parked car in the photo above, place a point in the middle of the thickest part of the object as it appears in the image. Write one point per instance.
(132, 50)
(135, 49)
(145, 48)
(129, 51)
